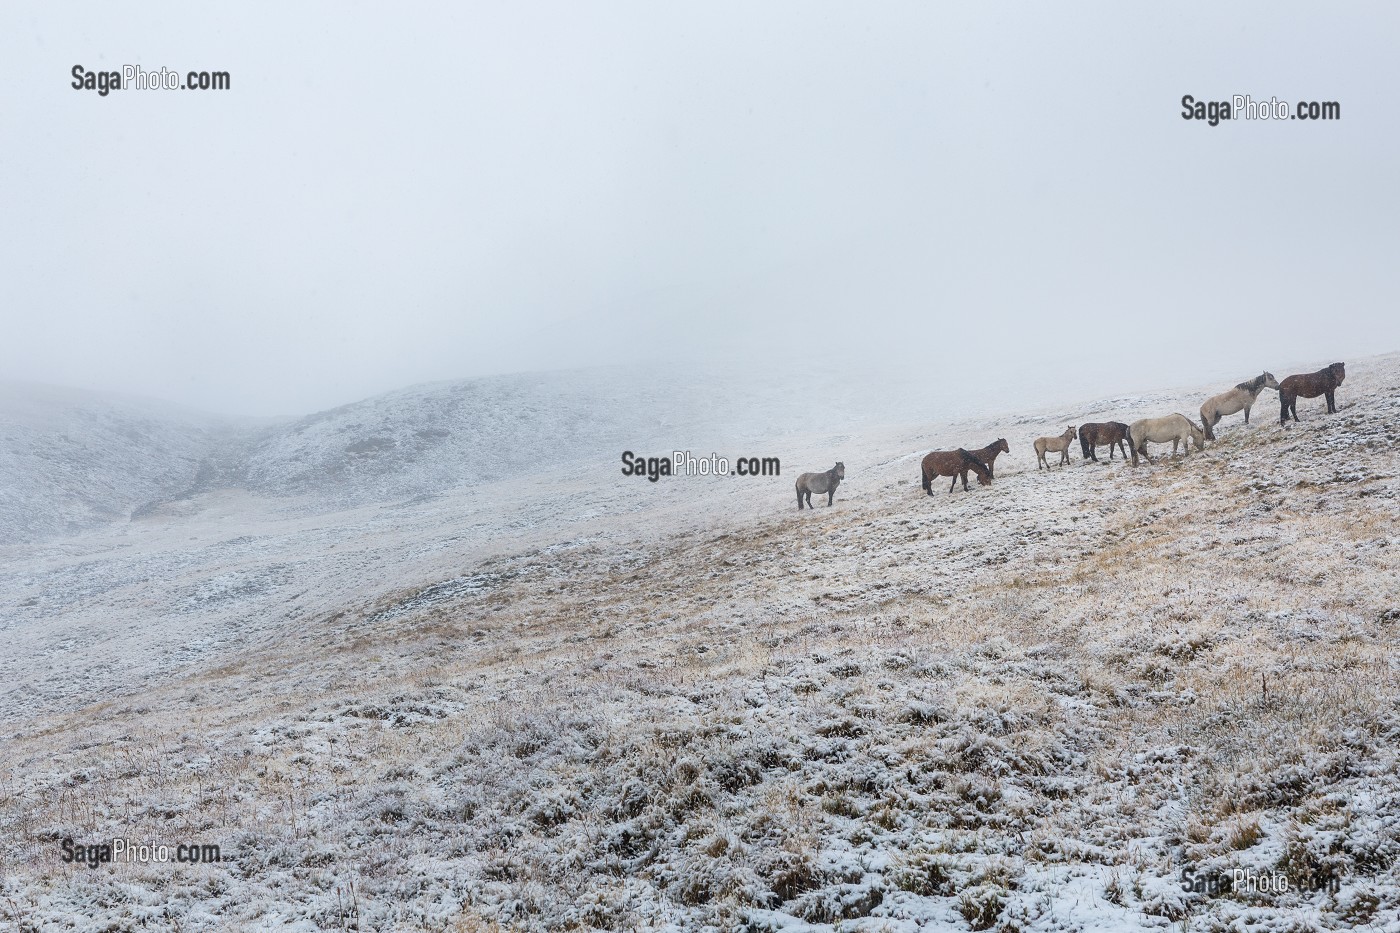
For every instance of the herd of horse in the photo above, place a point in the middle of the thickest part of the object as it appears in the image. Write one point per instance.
(1179, 430)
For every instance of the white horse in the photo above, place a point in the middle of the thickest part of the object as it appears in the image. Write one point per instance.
(1241, 397)
(1177, 428)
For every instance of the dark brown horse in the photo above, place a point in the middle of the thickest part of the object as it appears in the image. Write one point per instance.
(988, 455)
(1310, 385)
(953, 463)
(1111, 434)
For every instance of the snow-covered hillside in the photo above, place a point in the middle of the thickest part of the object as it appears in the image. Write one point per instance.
(432, 438)
(574, 699)
(71, 460)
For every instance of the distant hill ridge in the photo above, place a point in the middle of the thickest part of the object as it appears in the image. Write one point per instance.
(72, 460)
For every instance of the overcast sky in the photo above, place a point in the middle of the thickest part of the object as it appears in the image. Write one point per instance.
(395, 193)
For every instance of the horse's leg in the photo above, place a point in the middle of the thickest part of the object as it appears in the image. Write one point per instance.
(953, 484)
(1246, 414)
(830, 495)
(1331, 402)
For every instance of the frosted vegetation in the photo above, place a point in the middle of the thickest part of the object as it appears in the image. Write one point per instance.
(562, 698)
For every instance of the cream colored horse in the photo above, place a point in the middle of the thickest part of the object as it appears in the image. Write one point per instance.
(1241, 397)
(1177, 428)
(1059, 444)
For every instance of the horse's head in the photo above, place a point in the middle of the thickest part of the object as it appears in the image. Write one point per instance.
(839, 470)
(984, 475)
(1269, 381)
(1070, 433)
(1001, 445)
(1339, 372)
(1198, 436)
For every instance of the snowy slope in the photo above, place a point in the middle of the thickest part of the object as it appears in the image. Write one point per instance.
(72, 460)
(576, 699)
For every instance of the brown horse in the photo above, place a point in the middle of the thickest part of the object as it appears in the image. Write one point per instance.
(1106, 433)
(1310, 385)
(988, 455)
(953, 463)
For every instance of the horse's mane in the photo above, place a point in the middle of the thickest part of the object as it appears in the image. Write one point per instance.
(972, 458)
(1251, 385)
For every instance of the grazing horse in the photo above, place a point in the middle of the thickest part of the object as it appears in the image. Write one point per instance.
(1310, 385)
(1240, 397)
(1106, 433)
(819, 483)
(953, 463)
(1177, 428)
(1058, 444)
(988, 455)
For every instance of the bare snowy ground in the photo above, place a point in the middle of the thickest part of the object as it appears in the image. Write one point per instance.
(606, 703)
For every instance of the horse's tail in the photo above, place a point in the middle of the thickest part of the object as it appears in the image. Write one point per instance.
(1084, 443)
(1132, 444)
(1208, 421)
(924, 478)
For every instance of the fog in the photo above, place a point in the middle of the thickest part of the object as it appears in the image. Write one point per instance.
(946, 193)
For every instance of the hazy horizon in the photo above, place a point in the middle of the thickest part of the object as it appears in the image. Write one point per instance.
(950, 194)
